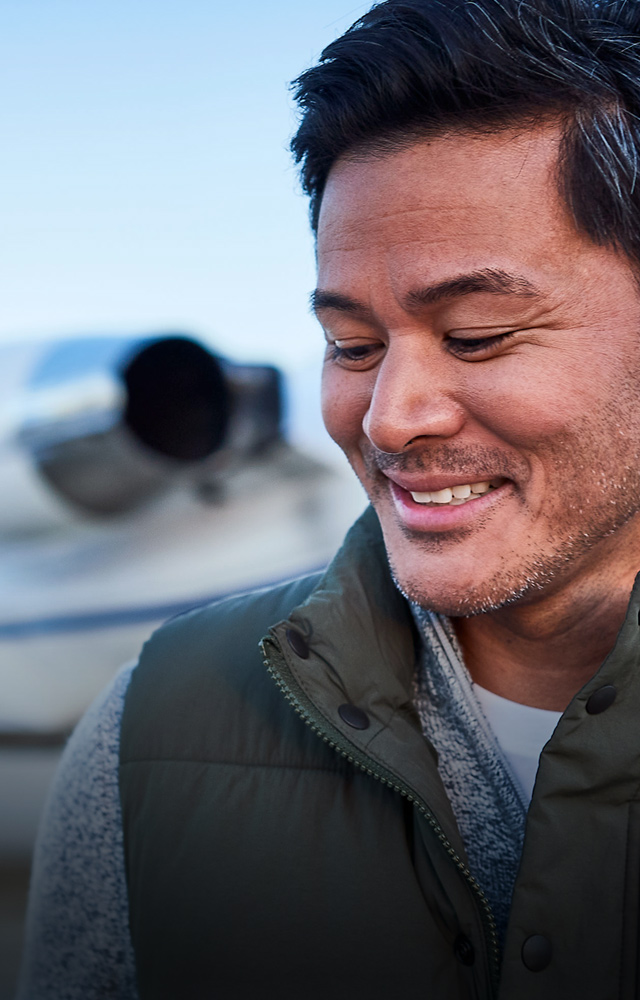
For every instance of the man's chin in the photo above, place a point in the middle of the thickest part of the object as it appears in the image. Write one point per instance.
(458, 599)
(457, 578)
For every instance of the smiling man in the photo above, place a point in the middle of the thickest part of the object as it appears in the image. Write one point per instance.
(417, 774)
(483, 377)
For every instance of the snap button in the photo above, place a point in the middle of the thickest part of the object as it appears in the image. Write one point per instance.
(536, 952)
(601, 699)
(354, 716)
(463, 950)
(298, 644)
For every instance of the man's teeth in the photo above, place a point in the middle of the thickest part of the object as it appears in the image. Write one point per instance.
(454, 496)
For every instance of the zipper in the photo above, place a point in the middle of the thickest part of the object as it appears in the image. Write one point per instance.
(305, 708)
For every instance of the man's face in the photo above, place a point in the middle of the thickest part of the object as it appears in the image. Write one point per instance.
(474, 336)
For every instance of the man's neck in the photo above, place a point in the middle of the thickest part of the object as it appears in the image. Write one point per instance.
(543, 652)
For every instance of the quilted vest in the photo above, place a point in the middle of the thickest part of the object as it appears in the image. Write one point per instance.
(287, 836)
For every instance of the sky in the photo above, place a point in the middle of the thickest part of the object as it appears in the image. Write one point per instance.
(145, 180)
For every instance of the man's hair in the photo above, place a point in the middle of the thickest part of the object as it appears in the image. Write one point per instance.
(410, 69)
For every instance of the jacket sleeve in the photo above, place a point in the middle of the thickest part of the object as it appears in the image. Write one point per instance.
(77, 932)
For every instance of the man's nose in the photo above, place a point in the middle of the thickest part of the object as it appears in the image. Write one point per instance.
(414, 399)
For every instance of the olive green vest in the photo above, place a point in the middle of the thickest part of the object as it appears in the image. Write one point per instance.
(287, 835)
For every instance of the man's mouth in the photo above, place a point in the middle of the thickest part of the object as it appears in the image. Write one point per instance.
(456, 496)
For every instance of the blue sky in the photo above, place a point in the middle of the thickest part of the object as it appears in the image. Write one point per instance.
(145, 177)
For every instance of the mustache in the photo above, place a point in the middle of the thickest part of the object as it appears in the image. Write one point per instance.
(460, 460)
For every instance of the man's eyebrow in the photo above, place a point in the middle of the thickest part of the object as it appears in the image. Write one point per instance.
(491, 280)
(321, 299)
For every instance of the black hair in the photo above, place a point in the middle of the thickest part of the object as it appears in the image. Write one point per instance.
(409, 69)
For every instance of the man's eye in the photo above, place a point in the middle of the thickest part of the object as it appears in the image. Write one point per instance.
(353, 355)
(477, 345)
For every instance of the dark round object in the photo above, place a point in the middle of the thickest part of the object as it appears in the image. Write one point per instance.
(298, 644)
(464, 950)
(601, 699)
(178, 401)
(536, 952)
(354, 716)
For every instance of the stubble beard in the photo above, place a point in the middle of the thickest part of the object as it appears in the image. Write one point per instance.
(576, 526)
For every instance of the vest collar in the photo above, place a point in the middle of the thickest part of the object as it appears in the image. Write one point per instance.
(362, 644)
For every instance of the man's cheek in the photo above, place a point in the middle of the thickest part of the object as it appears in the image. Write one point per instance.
(343, 412)
(523, 415)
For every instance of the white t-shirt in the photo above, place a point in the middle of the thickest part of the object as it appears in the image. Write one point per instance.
(521, 731)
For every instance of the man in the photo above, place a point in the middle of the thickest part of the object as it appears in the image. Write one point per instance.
(344, 811)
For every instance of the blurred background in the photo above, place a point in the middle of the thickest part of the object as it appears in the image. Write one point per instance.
(160, 435)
